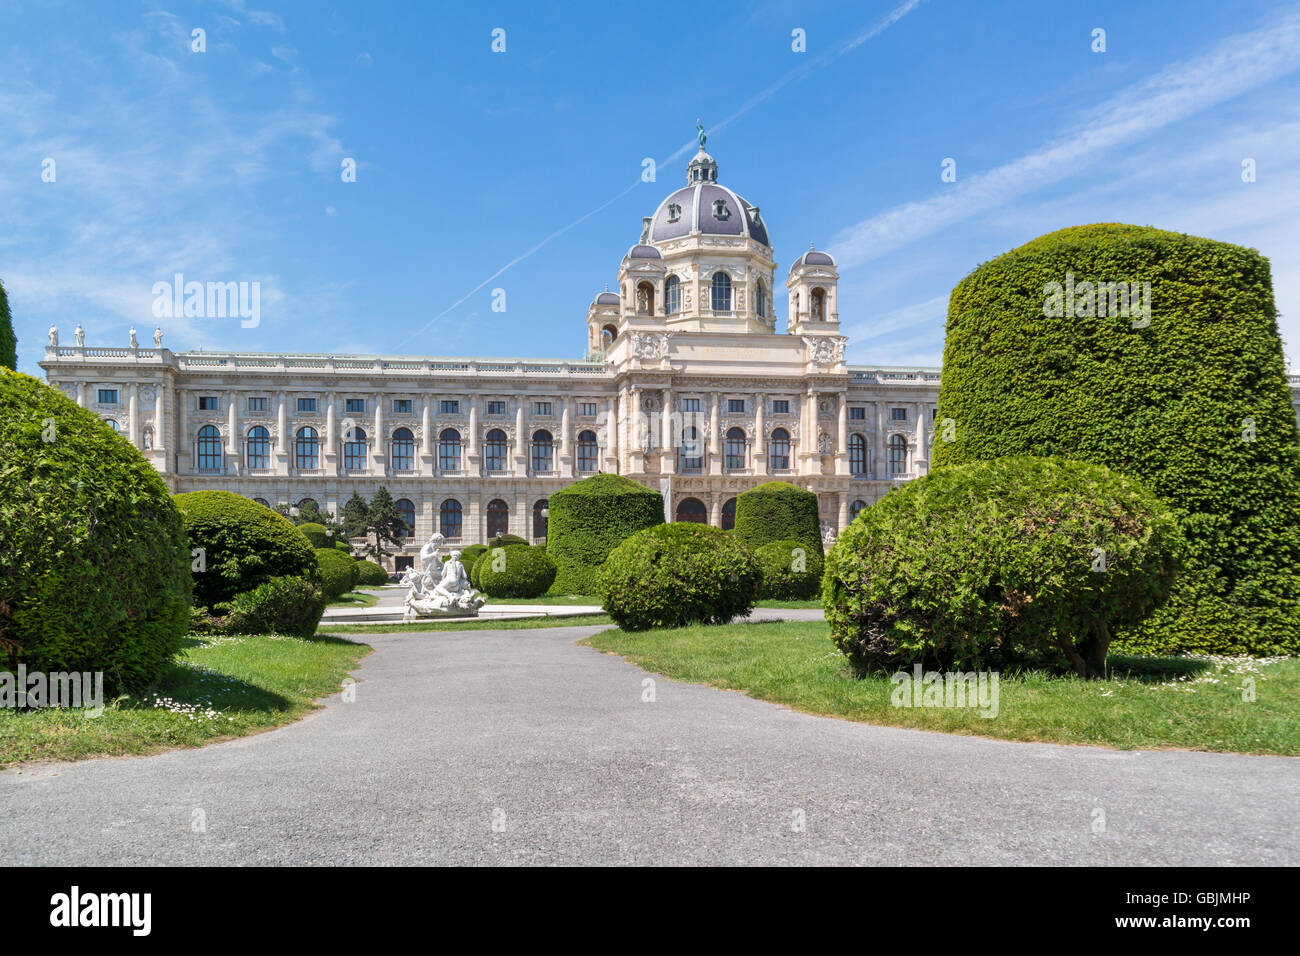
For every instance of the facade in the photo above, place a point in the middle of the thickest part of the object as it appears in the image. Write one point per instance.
(687, 386)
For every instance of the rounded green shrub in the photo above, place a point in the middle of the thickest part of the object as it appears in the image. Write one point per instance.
(370, 574)
(288, 605)
(672, 575)
(1187, 392)
(779, 511)
(471, 554)
(338, 572)
(791, 572)
(515, 571)
(590, 518)
(1035, 561)
(504, 540)
(242, 543)
(317, 534)
(94, 564)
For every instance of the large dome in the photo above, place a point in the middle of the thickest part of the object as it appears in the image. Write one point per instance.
(707, 206)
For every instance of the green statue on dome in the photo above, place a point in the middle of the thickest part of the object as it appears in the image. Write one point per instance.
(701, 129)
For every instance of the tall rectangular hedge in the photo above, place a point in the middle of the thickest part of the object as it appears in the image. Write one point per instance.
(1191, 398)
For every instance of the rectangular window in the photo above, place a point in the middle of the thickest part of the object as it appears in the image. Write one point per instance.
(690, 404)
(587, 409)
(401, 406)
(257, 404)
(858, 413)
(355, 406)
(541, 408)
(781, 407)
(898, 414)
(496, 408)
(209, 403)
(450, 408)
(108, 396)
(306, 404)
(736, 405)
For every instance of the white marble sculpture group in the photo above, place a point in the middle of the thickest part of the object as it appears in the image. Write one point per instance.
(438, 588)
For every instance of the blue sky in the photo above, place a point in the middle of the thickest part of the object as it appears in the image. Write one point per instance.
(521, 170)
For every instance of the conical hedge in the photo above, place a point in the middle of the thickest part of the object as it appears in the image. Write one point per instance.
(1184, 389)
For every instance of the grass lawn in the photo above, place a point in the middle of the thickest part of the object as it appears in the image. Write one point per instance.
(518, 624)
(557, 599)
(1187, 703)
(219, 687)
(354, 599)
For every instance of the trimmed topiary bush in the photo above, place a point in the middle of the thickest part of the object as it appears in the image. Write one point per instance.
(8, 341)
(317, 534)
(672, 575)
(287, 605)
(338, 572)
(779, 511)
(525, 572)
(1191, 398)
(471, 554)
(370, 574)
(1019, 560)
(790, 571)
(504, 540)
(94, 565)
(243, 545)
(590, 518)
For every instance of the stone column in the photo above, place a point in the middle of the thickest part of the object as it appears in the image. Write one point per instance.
(635, 439)
(760, 435)
(880, 448)
(844, 511)
(160, 441)
(283, 442)
(472, 438)
(566, 443)
(715, 438)
(379, 446)
(232, 432)
(922, 459)
(331, 427)
(842, 438)
(667, 440)
(611, 435)
(83, 394)
(521, 440)
(715, 510)
(133, 415)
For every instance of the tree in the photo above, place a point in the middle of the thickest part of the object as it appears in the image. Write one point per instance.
(8, 341)
(383, 521)
(354, 516)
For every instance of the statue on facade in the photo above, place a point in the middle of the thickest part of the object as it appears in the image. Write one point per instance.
(438, 588)
(80, 336)
(700, 127)
(135, 343)
(157, 337)
(54, 337)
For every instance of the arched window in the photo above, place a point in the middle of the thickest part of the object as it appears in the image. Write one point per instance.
(112, 423)
(307, 448)
(259, 447)
(897, 455)
(209, 448)
(403, 450)
(690, 455)
(354, 449)
(818, 304)
(607, 336)
(778, 451)
(449, 516)
(857, 455)
(692, 510)
(855, 509)
(543, 450)
(735, 448)
(498, 518)
(449, 450)
(307, 504)
(540, 513)
(406, 509)
(760, 299)
(721, 292)
(495, 450)
(728, 514)
(645, 299)
(262, 501)
(588, 452)
(672, 295)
